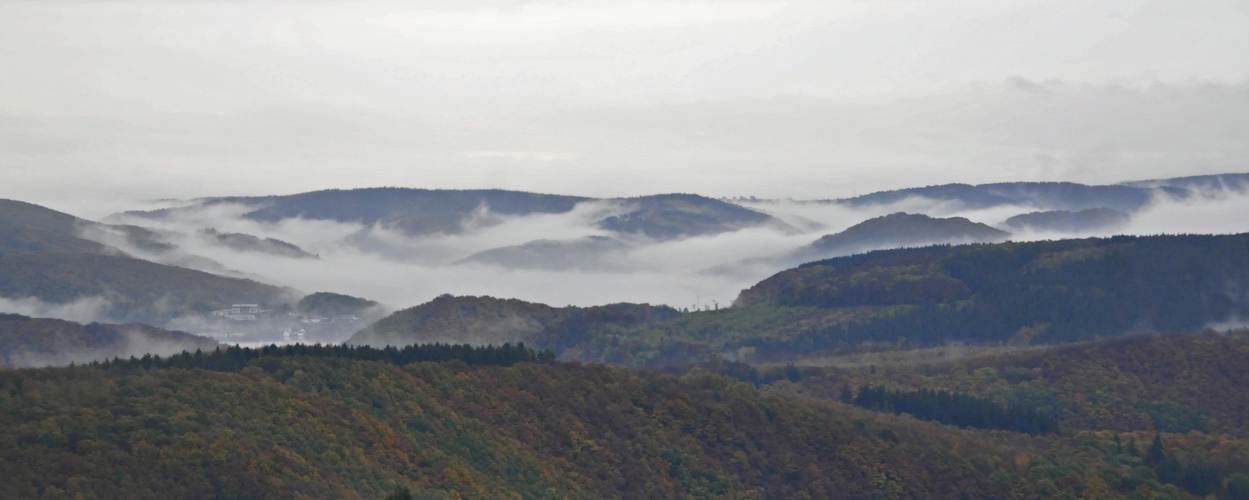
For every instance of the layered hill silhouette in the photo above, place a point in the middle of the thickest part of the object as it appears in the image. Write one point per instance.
(1041, 195)
(905, 230)
(1027, 293)
(42, 256)
(1062, 221)
(426, 211)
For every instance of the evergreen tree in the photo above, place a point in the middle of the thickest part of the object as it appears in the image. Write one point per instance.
(1238, 487)
(1156, 454)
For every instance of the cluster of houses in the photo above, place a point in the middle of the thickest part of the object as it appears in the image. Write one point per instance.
(291, 334)
(242, 312)
(253, 312)
(349, 318)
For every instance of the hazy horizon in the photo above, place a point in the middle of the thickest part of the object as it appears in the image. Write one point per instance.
(108, 102)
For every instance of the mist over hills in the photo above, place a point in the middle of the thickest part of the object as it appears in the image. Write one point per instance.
(406, 246)
(1225, 182)
(1062, 221)
(45, 258)
(1029, 293)
(27, 342)
(808, 365)
(1041, 195)
(417, 212)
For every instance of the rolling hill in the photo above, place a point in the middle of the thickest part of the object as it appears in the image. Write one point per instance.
(319, 423)
(905, 230)
(1029, 293)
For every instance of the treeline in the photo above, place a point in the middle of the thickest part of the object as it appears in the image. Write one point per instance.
(324, 428)
(953, 409)
(235, 358)
(1199, 479)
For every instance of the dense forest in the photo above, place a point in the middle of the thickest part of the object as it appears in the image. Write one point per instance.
(954, 409)
(1174, 406)
(1173, 384)
(235, 358)
(317, 426)
(1043, 292)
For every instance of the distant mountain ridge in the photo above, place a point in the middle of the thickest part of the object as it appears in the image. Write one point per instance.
(1062, 221)
(1232, 182)
(906, 230)
(1042, 195)
(429, 211)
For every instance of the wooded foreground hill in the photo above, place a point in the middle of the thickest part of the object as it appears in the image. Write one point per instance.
(292, 424)
(1164, 383)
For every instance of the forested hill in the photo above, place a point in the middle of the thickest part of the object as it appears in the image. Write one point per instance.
(487, 320)
(1162, 383)
(1009, 293)
(307, 426)
(1021, 293)
(1170, 408)
(904, 230)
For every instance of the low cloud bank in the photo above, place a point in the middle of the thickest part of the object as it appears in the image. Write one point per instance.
(400, 271)
(83, 310)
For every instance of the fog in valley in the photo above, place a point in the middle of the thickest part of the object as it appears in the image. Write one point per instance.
(112, 106)
(399, 270)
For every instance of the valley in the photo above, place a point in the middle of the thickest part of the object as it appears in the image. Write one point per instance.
(908, 355)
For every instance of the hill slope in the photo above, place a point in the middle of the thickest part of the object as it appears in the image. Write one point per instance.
(311, 427)
(1175, 383)
(1021, 294)
(42, 256)
(905, 230)
(487, 320)
(1036, 292)
(670, 216)
(1062, 221)
(30, 342)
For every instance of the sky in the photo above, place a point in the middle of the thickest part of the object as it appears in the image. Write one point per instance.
(106, 103)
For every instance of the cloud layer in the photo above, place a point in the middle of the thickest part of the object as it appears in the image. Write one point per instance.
(106, 102)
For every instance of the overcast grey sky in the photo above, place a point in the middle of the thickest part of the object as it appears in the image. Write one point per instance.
(104, 102)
